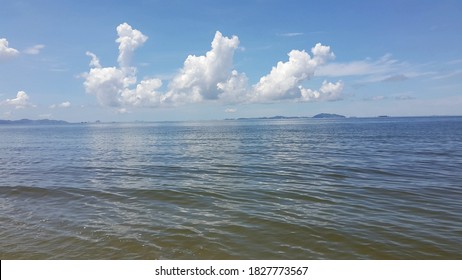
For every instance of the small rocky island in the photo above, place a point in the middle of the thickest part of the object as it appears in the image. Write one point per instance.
(327, 116)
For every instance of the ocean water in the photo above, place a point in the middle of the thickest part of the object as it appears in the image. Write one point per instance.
(379, 188)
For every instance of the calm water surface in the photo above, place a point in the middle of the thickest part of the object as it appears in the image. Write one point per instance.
(383, 188)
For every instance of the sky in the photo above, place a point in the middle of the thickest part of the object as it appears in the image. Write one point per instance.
(149, 60)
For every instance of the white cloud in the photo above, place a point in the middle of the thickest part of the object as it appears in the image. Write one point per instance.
(291, 34)
(113, 86)
(122, 111)
(106, 83)
(65, 104)
(384, 69)
(283, 82)
(234, 89)
(328, 92)
(378, 98)
(212, 77)
(395, 78)
(129, 40)
(5, 51)
(353, 68)
(145, 93)
(321, 54)
(94, 60)
(34, 49)
(404, 97)
(205, 77)
(230, 110)
(21, 101)
(451, 74)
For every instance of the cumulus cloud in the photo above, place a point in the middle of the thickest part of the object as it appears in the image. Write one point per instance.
(94, 60)
(202, 77)
(117, 86)
(129, 40)
(106, 84)
(328, 91)
(208, 77)
(65, 104)
(21, 101)
(284, 80)
(234, 89)
(205, 77)
(34, 49)
(145, 93)
(5, 51)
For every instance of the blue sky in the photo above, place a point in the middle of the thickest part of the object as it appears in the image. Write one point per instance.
(193, 60)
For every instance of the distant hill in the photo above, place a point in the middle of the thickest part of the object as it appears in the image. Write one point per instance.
(318, 116)
(327, 116)
(271, 118)
(33, 122)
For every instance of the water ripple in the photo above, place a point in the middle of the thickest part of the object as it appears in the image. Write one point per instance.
(287, 189)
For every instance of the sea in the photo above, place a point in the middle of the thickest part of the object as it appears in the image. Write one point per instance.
(351, 188)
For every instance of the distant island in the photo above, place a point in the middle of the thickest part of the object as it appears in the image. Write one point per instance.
(33, 122)
(270, 118)
(318, 116)
(60, 122)
(327, 116)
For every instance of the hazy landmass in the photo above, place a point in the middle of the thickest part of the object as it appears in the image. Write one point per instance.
(327, 116)
(33, 122)
(318, 116)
